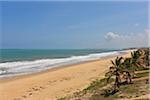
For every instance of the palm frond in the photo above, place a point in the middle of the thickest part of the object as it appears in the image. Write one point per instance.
(112, 62)
(109, 75)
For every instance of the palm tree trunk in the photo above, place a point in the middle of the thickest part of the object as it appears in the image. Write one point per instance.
(129, 78)
(117, 83)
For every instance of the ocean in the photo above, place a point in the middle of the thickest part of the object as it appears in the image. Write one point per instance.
(24, 61)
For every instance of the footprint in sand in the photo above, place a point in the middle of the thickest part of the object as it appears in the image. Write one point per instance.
(61, 80)
(50, 81)
(19, 98)
(41, 87)
(66, 78)
(24, 96)
(55, 81)
(30, 94)
(35, 89)
(67, 90)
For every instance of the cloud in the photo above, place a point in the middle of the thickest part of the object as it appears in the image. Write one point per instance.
(111, 36)
(116, 40)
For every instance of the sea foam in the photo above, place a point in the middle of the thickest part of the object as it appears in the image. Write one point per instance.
(8, 69)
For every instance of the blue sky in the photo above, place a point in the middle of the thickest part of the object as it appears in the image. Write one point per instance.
(59, 25)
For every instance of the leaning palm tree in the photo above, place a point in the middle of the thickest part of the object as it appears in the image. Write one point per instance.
(128, 69)
(136, 59)
(130, 65)
(146, 56)
(116, 71)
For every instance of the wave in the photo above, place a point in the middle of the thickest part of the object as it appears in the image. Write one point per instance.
(25, 67)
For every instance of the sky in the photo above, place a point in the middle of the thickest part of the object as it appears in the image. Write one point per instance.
(73, 25)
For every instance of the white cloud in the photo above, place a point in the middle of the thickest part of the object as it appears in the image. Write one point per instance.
(111, 36)
(116, 40)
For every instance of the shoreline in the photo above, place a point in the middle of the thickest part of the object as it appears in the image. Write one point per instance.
(12, 69)
(5, 79)
(55, 83)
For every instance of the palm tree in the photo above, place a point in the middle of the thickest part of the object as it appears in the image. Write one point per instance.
(128, 69)
(116, 71)
(146, 56)
(130, 65)
(136, 59)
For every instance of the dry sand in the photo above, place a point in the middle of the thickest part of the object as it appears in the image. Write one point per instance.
(54, 83)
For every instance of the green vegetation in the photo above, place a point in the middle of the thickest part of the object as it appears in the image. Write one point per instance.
(99, 90)
(126, 67)
(119, 81)
(139, 75)
(98, 84)
(115, 70)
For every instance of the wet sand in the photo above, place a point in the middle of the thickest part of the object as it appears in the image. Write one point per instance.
(54, 83)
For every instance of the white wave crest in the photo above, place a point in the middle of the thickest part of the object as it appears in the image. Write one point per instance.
(25, 67)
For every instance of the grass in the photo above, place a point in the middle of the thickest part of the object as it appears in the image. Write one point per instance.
(129, 88)
(139, 75)
(98, 84)
(137, 89)
(94, 86)
(63, 98)
(132, 88)
(95, 90)
(100, 97)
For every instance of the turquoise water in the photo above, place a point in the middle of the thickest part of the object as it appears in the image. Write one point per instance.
(10, 55)
(20, 61)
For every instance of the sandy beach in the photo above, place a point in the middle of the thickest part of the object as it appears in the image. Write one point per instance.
(54, 83)
(72, 50)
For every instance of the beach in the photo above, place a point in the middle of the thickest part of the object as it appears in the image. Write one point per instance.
(68, 50)
(54, 83)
